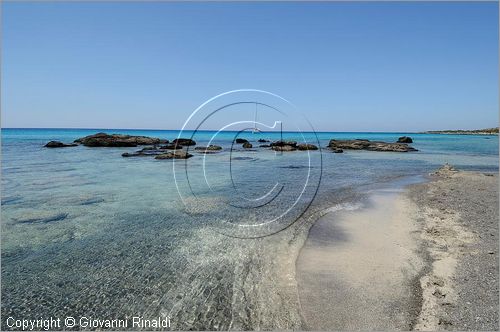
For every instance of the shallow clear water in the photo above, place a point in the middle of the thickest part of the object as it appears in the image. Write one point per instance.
(86, 232)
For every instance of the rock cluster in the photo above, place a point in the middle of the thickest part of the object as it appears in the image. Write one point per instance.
(364, 144)
(284, 146)
(174, 150)
(291, 146)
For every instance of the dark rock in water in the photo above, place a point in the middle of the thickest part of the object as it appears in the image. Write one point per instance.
(284, 143)
(247, 145)
(144, 153)
(243, 158)
(118, 140)
(337, 151)
(240, 141)
(296, 167)
(43, 220)
(171, 146)
(91, 201)
(359, 144)
(134, 154)
(57, 144)
(208, 149)
(11, 200)
(183, 141)
(405, 139)
(176, 154)
(307, 147)
(261, 140)
(284, 148)
(265, 146)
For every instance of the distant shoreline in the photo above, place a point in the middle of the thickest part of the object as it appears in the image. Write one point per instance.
(489, 131)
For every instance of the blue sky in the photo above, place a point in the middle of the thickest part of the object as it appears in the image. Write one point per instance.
(347, 66)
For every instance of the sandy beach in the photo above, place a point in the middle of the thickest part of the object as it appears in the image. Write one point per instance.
(425, 258)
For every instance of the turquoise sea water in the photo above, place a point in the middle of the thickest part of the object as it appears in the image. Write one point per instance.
(88, 232)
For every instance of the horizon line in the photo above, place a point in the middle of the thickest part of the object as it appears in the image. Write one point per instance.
(209, 130)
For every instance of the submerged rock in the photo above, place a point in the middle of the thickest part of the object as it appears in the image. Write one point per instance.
(337, 151)
(364, 144)
(176, 154)
(265, 146)
(57, 144)
(10, 200)
(283, 148)
(405, 139)
(240, 141)
(183, 141)
(247, 145)
(307, 147)
(118, 140)
(171, 146)
(133, 154)
(445, 170)
(42, 220)
(261, 140)
(91, 201)
(208, 149)
(148, 151)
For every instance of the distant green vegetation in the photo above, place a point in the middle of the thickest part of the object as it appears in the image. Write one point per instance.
(487, 131)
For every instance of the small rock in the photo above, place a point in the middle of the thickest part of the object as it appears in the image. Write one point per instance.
(240, 141)
(183, 141)
(261, 140)
(176, 154)
(171, 146)
(57, 144)
(303, 147)
(405, 139)
(208, 149)
(284, 148)
(247, 145)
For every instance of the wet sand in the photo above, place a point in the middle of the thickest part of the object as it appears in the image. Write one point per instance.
(406, 260)
(358, 268)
